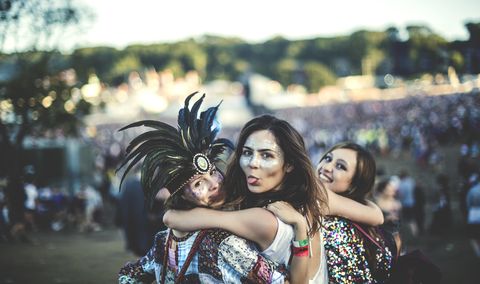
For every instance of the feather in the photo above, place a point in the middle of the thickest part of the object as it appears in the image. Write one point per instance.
(167, 152)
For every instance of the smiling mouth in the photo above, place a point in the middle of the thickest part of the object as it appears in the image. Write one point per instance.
(324, 178)
(215, 194)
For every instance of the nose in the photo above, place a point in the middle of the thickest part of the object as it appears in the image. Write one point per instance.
(214, 183)
(326, 167)
(253, 163)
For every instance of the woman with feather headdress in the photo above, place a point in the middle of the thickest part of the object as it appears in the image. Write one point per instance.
(183, 161)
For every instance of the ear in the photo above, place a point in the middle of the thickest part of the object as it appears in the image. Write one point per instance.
(289, 168)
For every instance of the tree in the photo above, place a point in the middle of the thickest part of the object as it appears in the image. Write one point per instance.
(37, 96)
(318, 75)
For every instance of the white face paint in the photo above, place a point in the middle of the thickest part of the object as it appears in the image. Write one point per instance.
(262, 151)
(262, 162)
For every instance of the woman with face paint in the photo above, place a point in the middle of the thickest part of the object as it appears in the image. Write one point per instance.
(183, 161)
(355, 254)
(271, 164)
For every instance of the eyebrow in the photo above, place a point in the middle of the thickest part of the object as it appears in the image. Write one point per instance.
(262, 150)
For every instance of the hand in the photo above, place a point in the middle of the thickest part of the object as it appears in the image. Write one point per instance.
(285, 212)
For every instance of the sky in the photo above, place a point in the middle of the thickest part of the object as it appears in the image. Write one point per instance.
(122, 23)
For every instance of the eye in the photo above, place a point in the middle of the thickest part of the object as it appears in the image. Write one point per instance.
(342, 167)
(213, 172)
(267, 155)
(198, 183)
(328, 158)
(246, 152)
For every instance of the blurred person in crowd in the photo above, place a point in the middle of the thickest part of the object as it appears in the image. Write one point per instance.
(31, 203)
(59, 208)
(407, 198)
(442, 219)
(386, 199)
(93, 207)
(101, 181)
(4, 221)
(138, 221)
(16, 210)
(466, 168)
(420, 202)
(76, 212)
(436, 156)
(45, 206)
(186, 158)
(473, 209)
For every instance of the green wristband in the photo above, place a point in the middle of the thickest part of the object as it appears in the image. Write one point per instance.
(300, 243)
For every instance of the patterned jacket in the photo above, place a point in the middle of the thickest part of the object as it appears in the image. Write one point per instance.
(221, 257)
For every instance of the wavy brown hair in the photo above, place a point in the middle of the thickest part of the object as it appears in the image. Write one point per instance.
(299, 187)
(361, 187)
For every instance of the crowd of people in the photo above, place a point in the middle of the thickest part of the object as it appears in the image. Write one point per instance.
(418, 124)
(47, 208)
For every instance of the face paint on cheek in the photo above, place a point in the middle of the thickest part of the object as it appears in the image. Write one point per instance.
(254, 144)
(244, 161)
(196, 192)
(274, 162)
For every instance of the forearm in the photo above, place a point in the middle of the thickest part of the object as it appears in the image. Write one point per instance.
(369, 213)
(188, 220)
(299, 266)
(254, 224)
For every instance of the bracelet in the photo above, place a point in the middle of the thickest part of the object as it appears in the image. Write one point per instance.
(300, 251)
(301, 243)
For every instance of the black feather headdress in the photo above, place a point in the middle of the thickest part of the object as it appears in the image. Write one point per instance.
(173, 156)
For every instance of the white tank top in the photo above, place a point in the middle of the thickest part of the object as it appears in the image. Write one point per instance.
(322, 273)
(279, 250)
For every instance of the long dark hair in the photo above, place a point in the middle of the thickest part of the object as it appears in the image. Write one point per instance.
(299, 187)
(361, 186)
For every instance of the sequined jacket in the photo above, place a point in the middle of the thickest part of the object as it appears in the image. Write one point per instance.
(221, 257)
(346, 254)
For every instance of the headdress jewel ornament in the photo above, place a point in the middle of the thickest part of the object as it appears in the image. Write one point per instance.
(172, 156)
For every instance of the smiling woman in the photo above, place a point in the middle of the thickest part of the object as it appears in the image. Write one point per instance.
(337, 169)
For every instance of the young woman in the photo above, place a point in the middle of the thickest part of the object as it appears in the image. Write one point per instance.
(354, 254)
(183, 161)
(271, 164)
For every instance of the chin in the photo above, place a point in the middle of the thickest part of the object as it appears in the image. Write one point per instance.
(255, 189)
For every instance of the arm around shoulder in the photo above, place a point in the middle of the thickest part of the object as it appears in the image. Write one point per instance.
(254, 224)
(369, 213)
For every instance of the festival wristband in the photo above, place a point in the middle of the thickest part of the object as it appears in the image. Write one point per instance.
(300, 243)
(300, 252)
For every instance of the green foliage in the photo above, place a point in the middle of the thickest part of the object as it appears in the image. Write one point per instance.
(125, 65)
(458, 61)
(284, 71)
(318, 75)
